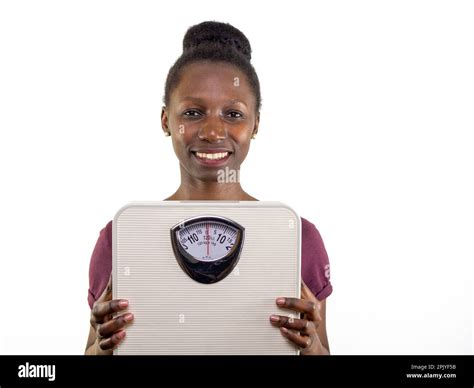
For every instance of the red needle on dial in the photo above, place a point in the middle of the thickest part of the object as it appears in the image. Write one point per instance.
(207, 238)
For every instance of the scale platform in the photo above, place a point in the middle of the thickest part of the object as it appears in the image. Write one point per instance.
(202, 277)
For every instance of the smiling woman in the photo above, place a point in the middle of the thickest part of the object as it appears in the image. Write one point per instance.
(212, 107)
(211, 112)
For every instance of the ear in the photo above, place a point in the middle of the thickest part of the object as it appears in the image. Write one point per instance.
(164, 120)
(257, 123)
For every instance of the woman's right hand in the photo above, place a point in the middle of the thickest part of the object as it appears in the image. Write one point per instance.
(109, 330)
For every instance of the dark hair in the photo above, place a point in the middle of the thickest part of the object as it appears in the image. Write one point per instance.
(216, 42)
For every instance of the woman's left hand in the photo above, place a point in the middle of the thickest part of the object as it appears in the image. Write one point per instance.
(301, 331)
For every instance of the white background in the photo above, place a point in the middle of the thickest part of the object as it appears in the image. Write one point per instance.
(366, 131)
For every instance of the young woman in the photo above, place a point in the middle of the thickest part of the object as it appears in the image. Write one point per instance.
(211, 111)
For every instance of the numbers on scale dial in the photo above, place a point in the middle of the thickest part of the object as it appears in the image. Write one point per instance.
(207, 241)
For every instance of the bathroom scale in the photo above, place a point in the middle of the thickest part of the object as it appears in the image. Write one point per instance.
(201, 277)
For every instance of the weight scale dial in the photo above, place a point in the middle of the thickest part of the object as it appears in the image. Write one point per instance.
(207, 247)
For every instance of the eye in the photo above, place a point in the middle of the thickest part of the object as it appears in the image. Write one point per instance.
(192, 113)
(235, 115)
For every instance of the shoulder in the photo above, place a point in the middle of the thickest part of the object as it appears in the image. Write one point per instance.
(307, 226)
(310, 236)
(106, 234)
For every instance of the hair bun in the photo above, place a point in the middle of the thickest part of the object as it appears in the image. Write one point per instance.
(213, 32)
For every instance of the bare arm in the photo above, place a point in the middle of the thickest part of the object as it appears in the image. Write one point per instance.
(321, 330)
(91, 347)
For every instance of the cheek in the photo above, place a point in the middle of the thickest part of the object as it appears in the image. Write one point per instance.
(182, 136)
(243, 136)
(242, 139)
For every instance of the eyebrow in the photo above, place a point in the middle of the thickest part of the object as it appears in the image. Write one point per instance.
(197, 99)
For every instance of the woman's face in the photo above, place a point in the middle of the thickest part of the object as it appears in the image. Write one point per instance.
(211, 111)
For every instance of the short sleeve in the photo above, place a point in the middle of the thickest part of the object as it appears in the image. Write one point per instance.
(315, 267)
(100, 266)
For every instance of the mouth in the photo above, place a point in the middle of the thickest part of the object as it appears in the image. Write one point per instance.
(212, 158)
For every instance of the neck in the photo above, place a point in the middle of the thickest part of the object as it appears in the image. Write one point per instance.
(200, 190)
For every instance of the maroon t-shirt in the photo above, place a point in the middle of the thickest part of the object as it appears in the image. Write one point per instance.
(314, 262)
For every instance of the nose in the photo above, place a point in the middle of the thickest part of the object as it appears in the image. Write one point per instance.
(213, 130)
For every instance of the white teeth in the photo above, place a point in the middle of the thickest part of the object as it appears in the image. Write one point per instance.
(218, 155)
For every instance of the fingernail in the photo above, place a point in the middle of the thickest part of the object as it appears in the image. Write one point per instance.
(128, 317)
(280, 301)
(121, 334)
(284, 330)
(274, 318)
(123, 303)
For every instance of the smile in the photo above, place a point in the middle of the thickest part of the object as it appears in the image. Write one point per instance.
(214, 156)
(212, 159)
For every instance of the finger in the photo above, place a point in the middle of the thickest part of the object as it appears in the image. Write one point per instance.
(113, 341)
(298, 340)
(301, 325)
(101, 309)
(105, 330)
(301, 305)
